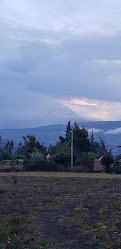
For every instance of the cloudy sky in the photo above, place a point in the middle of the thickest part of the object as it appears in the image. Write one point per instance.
(59, 60)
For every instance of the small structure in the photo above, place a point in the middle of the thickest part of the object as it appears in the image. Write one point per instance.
(98, 166)
(20, 162)
(48, 157)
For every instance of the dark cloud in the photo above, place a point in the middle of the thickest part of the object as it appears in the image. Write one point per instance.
(58, 50)
(75, 68)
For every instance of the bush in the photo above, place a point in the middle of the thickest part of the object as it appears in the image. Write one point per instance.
(107, 160)
(62, 159)
(41, 166)
(5, 155)
(87, 162)
(36, 158)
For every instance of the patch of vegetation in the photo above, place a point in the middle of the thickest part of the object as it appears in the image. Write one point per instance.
(40, 244)
(4, 231)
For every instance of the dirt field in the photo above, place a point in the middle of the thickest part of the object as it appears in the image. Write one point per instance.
(60, 211)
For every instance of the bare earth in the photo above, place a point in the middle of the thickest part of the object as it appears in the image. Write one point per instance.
(61, 210)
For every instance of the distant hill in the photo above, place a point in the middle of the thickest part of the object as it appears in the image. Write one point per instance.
(110, 131)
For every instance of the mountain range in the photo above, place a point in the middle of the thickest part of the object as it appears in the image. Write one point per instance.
(109, 131)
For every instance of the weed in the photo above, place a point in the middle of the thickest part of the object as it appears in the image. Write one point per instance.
(4, 232)
(71, 241)
(61, 244)
(40, 244)
(81, 209)
(15, 239)
(19, 220)
(89, 232)
(94, 241)
(101, 225)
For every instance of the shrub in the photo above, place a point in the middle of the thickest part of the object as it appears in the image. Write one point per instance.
(41, 166)
(5, 155)
(107, 160)
(62, 159)
(87, 162)
(36, 158)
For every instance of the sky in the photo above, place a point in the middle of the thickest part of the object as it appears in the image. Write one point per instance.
(59, 60)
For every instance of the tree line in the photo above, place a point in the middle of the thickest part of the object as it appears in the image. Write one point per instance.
(85, 150)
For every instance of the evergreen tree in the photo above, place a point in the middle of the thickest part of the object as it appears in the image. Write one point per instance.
(9, 146)
(81, 141)
(68, 132)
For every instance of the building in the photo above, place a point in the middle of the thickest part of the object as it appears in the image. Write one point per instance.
(98, 166)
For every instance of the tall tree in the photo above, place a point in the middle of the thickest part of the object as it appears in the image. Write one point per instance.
(102, 146)
(81, 141)
(30, 145)
(94, 146)
(68, 132)
(9, 146)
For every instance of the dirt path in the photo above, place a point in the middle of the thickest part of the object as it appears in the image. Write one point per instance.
(52, 224)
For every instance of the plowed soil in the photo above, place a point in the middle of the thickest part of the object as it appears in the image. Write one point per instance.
(61, 210)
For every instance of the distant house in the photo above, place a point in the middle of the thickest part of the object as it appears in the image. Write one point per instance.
(20, 161)
(98, 166)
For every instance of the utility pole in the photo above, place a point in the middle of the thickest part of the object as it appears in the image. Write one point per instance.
(72, 149)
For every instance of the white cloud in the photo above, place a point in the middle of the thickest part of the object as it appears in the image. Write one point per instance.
(116, 131)
(107, 62)
(79, 17)
(95, 130)
(94, 109)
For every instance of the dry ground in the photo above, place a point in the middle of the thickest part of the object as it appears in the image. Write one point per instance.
(60, 211)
